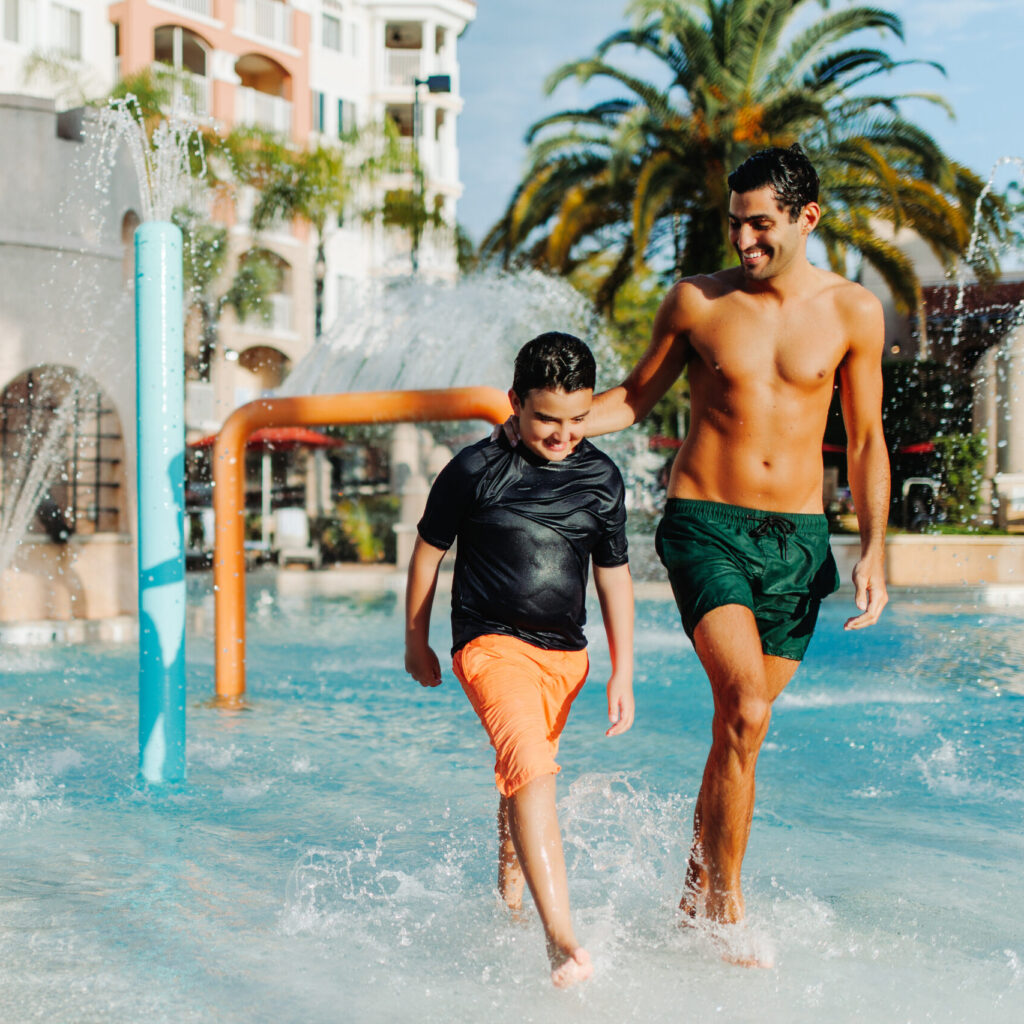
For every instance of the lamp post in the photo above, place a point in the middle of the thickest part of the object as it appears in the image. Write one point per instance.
(434, 83)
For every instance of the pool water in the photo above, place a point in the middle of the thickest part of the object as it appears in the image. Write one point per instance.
(331, 855)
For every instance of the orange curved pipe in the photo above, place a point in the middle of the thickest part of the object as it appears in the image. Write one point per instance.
(476, 403)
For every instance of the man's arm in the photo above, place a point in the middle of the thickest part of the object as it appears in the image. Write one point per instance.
(860, 390)
(629, 402)
(420, 660)
(615, 590)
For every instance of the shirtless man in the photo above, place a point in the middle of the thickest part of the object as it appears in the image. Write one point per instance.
(743, 537)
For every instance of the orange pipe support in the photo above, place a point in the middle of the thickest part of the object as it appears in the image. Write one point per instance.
(475, 403)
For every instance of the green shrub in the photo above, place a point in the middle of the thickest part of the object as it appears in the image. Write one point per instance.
(962, 470)
(363, 530)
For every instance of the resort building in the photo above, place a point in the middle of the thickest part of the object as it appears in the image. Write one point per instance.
(310, 71)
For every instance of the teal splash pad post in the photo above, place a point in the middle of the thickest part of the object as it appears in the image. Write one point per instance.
(160, 413)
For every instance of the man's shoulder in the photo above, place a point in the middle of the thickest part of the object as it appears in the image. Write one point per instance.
(705, 287)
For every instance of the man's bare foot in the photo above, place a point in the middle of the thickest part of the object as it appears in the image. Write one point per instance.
(576, 967)
(737, 945)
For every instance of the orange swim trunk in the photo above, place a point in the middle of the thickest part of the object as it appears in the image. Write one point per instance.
(522, 694)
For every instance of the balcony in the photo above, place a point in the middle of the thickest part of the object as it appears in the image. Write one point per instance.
(264, 19)
(197, 8)
(192, 95)
(402, 66)
(262, 109)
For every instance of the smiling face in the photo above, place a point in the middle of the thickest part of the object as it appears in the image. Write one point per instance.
(551, 422)
(764, 236)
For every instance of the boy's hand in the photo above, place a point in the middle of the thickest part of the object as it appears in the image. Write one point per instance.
(422, 664)
(620, 705)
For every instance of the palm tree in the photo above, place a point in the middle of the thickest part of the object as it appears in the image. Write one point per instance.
(316, 185)
(643, 176)
(205, 256)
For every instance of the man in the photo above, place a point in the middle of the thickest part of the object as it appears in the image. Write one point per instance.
(744, 538)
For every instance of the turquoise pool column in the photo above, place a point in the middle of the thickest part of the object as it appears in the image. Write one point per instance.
(160, 413)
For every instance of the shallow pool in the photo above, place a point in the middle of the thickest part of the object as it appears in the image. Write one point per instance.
(331, 856)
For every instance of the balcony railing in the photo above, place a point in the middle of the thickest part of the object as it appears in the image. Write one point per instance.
(402, 66)
(192, 94)
(265, 19)
(201, 8)
(260, 108)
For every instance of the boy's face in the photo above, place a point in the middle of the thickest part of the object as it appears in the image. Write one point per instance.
(551, 422)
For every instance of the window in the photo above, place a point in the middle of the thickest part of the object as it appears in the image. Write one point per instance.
(11, 12)
(346, 116)
(318, 111)
(66, 31)
(331, 33)
(353, 39)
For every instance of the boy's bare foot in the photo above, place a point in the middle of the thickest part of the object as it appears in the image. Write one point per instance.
(576, 967)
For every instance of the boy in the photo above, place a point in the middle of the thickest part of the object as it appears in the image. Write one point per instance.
(528, 521)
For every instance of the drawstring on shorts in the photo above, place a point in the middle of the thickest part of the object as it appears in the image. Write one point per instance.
(776, 526)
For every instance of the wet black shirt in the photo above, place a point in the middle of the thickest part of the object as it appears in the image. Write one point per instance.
(527, 529)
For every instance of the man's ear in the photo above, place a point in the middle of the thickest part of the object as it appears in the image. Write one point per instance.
(517, 406)
(809, 216)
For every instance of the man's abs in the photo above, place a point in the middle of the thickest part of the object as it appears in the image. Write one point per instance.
(779, 480)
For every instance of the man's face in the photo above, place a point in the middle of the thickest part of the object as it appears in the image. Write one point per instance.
(551, 422)
(765, 238)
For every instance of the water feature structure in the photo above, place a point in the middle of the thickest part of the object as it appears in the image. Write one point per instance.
(163, 165)
(469, 403)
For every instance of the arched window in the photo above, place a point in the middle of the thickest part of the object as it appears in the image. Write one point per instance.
(61, 456)
(188, 54)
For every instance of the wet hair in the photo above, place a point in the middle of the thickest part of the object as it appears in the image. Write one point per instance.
(555, 362)
(787, 172)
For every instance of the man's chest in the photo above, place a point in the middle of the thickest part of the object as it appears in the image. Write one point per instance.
(797, 351)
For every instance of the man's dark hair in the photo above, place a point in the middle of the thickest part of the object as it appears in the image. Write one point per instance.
(554, 361)
(787, 172)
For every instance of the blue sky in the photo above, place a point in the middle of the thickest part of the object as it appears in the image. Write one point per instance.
(506, 54)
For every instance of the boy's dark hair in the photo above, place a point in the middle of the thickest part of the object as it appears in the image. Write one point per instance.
(787, 172)
(554, 361)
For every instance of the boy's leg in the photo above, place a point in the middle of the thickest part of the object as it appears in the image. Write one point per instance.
(510, 872)
(533, 824)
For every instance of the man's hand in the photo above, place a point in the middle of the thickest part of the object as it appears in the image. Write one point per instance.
(422, 664)
(620, 705)
(870, 594)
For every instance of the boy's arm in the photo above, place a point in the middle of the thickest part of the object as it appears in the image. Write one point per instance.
(420, 661)
(615, 591)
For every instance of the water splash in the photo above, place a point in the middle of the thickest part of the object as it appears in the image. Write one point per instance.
(169, 164)
(415, 334)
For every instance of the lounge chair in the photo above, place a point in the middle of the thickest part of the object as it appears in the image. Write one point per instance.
(291, 538)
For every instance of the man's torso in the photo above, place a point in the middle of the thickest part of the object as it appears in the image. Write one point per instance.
(761, 379)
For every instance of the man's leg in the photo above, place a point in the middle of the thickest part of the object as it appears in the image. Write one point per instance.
(744, 684)
(510, 874)
(533, 825)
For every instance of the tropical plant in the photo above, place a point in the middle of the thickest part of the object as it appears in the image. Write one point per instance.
(642, 176)
(205, 257)
(316, 185)
(962, 466)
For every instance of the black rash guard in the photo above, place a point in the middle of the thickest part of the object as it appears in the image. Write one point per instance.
(527, 529)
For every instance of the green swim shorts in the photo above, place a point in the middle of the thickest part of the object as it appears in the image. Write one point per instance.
(779, 565)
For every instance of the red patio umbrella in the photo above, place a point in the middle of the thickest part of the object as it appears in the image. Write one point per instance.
(279, 439)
